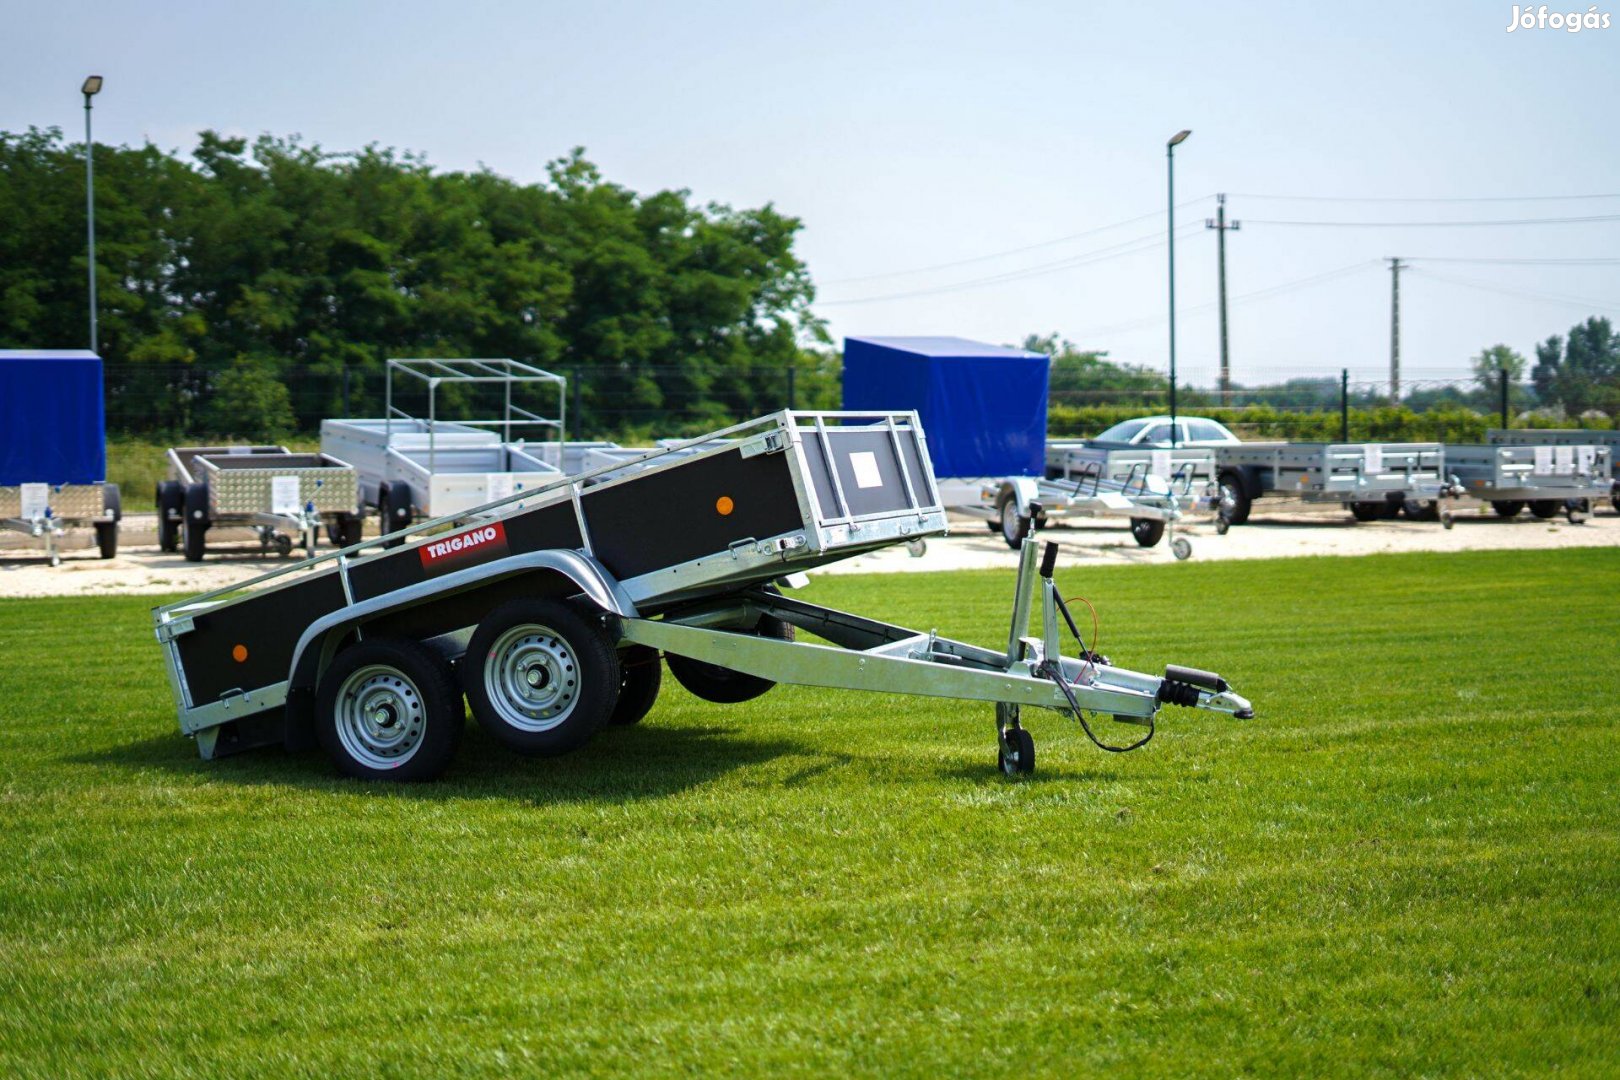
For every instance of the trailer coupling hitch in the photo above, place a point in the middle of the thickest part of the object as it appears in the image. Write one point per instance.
(1195, 689)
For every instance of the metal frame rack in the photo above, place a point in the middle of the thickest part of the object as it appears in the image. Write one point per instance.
(1564, 437)
(1545, 478)
(569, 597)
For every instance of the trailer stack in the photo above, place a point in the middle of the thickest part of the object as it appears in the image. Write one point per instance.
(1565, 437)
(1371, 480)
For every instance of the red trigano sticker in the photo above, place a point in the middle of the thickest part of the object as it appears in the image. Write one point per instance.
(464, 548)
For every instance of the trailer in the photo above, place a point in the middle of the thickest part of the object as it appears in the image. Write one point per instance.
(412, 467)
(1372, 480)
(271, 490)
(1546, 479)
(551, 610)
(1562, 437)
(53, 449)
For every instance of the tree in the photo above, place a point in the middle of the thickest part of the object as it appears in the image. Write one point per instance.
(1491, 362)
(1581, 372)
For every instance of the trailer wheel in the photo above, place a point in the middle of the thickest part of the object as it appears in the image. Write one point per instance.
(347, 530)
(723, 685)
(394, 508)
(1368, 511)
(1235, 501)
(1577, 510)
(112, 502)
(107, 538)
(194, 524)
(1015, 755)
(387, 709)
(1181, 548)
(1421, 509)
(1147, 531)
(1544, 508)
(171, 508)
(1507, 508)
(641, 676)
(540, 677)
(1014, 526)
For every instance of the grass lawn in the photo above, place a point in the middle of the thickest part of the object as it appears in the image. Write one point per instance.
(1408, 865)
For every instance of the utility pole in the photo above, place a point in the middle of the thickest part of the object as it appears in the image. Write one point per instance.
(1394, 331)
(91, 87)
(1218, 222)
(1170, 234)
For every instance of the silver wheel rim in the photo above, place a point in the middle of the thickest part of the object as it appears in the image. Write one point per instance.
(531, 677)
(380, 717)
(1010, 523)
(1228, 504)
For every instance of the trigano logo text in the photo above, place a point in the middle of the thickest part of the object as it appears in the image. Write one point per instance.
(474, 545)
(1572, 22)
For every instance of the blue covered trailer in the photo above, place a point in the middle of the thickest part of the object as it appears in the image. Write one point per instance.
(53, 447)
(983, 406)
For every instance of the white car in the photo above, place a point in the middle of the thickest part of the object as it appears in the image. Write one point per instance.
(1154, 431)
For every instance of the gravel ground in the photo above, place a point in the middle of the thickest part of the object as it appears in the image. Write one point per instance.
(1279, 530)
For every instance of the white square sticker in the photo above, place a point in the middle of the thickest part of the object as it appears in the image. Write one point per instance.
(1586, 457)
(35, 498)
(1372, 458)
(284, 497)
(866, 471)
(1565, 460)
(1544, 460)
(497, 486)
(1160, 464)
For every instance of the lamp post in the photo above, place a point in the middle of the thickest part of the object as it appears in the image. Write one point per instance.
(91, 87)
(1170, 158)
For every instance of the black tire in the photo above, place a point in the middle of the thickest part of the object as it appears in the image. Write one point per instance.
(112, 502)
(409, 683)
(1015, 755)
(348, 530)
(1421, 509)
(171, 508)
(395, 509)
(107, 538)
(1147, 531)
(722, 685)
(641, 674)
(1012, 526)
(194, 525)
(1545, 508)
(1235, 501)
(540, 677)
(1507, 508)
(1368, 511)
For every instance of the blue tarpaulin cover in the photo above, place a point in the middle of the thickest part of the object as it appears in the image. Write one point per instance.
(52, 424)
(983, 407)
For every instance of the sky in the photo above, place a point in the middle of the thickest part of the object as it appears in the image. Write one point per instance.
(983, 170)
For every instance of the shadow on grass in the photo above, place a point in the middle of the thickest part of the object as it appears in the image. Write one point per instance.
(621, 765)
(1043, 774)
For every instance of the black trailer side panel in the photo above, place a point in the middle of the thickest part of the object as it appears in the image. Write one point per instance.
(249, 644)
(653, 521)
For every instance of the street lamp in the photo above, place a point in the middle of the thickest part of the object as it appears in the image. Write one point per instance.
(1170, 158)
(91, 87)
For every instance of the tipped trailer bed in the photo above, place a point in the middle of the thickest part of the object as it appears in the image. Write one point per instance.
(275, 492)
(1371, 480)
(1565, 437)
(1547, 479)
(413, 467)
(552, 609)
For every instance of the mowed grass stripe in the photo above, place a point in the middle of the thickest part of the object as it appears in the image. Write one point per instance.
(1407, 864)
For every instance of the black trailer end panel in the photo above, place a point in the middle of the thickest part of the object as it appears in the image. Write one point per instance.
(249, 644)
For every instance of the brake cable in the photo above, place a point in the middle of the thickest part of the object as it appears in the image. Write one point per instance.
(1053, 668)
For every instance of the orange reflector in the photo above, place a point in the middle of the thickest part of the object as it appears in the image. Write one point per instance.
(724, 505)
(239, 653)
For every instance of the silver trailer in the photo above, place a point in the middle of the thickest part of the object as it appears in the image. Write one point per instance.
(552, 609)
(1154, 488)
(1547, 479)
(1371, 480)
(426, 466)
(1565, 437)
(47, 511)
(275, 492)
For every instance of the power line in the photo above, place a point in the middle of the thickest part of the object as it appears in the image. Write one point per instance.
(1426, 199)
(1484, 286)
(1521, 262)
(1010, 251)
(1438, 224)
(1258, 294)
(1114, 251)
